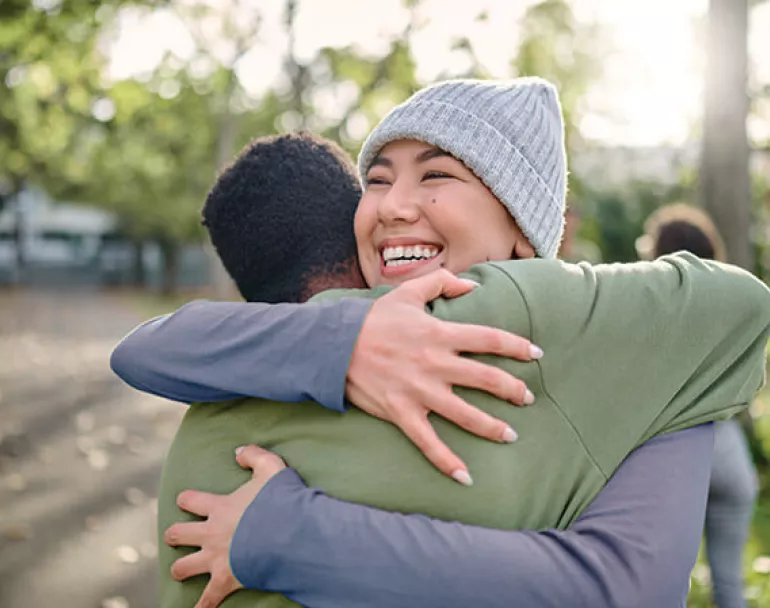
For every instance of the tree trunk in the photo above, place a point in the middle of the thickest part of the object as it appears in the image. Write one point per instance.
(725, 183)
(138, 271)
(18, 239)
(725, 178)
(171, 257)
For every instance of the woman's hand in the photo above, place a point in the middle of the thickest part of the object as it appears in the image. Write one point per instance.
(406, 362)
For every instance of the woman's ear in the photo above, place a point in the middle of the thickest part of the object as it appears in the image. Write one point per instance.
(522, 249)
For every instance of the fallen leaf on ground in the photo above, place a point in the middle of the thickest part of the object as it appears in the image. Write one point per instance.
(127, 554)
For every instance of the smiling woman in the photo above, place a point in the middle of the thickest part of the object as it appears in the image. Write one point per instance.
(463, 172)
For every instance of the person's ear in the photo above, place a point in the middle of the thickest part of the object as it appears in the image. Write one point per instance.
(522, 249)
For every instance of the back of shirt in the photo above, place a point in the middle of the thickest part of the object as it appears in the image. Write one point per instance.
(601, 388)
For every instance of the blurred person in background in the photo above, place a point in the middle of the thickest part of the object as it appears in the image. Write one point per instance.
(733, 485)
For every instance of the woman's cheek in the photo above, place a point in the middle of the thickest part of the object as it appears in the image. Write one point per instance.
(364, 222)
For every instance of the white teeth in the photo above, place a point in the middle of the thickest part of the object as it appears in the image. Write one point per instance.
(398, 256)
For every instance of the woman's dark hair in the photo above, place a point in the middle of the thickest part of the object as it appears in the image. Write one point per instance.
(682, 227)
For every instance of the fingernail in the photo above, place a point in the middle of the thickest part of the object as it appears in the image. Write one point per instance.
(529, 397)
(535, 351)
(509, 435)
(472, 282)
(239, 449)
(462, 477)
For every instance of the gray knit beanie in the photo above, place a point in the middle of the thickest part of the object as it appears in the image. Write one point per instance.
(509, 133)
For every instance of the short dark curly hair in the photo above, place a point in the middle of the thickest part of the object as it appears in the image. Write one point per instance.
(282, 214)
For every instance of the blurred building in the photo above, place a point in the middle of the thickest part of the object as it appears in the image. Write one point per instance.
(45, 241)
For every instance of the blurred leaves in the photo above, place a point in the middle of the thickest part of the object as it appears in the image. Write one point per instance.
(149, 149)
(557, 47)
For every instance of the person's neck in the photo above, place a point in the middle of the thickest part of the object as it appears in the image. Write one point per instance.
(350, 277)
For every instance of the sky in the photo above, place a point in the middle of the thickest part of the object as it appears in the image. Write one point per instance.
(649, 94)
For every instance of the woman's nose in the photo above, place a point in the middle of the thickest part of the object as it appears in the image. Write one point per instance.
(399, 205)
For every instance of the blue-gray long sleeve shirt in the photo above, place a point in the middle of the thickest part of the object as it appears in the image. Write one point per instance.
(215, 351)
(634, 546)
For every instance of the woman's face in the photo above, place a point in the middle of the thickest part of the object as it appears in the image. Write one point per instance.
(423, 210)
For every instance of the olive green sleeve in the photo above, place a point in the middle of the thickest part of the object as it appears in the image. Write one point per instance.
(634, 350)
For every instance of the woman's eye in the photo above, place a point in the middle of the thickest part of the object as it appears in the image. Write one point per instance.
(436, 175)
(376, 181)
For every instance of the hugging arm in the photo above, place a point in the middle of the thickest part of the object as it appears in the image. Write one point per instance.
(634, 546)
(389, 357)
(643, 348)
(214, 351)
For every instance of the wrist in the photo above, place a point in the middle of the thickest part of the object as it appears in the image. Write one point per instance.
(264, 528)
(353, 313)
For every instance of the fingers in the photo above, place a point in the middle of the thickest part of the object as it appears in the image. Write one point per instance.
(251, 456)
(198, 503)
(474, 374)
(489, 340)
(419, 429)
(188, 534)
(190, 565)
(215, 593)
(436, 284)
(474, 420)
(259, 460)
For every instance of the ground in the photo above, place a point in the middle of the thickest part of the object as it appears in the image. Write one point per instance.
(80, 456)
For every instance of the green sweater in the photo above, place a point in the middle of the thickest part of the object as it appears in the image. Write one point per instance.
(632, 351)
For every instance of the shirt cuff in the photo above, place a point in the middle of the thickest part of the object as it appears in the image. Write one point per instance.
(344, 332)
(267, 521)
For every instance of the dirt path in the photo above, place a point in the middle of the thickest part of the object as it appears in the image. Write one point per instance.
(80, 457)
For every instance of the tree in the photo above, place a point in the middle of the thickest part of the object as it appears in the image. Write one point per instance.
(725, 183)
(148, 166)
(49, 79)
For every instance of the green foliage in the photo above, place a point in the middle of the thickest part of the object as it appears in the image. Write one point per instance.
(380, 82)
(49, 76)
(614, 218)
(149, 150)
(557, 47)
(760, 192)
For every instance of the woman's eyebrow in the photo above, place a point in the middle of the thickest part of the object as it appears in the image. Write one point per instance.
(431, 153)
(422, 157)
(381, 161)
